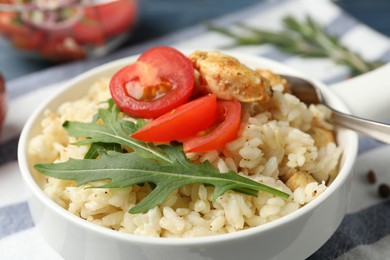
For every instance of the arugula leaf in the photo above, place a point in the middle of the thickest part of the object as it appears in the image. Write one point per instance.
(165, 167)
(113, 131)
(98, 148)
(132, 127)
(122, 170)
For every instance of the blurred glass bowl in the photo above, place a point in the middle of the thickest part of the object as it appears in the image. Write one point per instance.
(64, 30)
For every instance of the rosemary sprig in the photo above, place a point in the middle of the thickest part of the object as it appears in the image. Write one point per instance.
(307, 38)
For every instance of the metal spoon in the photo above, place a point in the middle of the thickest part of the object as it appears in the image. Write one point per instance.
(309, 94)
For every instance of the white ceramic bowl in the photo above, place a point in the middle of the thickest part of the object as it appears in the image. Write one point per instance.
(295, 236)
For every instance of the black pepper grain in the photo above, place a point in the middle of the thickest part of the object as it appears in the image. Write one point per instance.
(371, 177)
(384, 190)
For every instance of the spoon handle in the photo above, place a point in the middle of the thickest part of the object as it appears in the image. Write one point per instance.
(376, 130)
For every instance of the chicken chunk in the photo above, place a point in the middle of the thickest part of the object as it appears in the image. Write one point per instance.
(322, 136)
(226, 77)
(294, 179)
(275, 79)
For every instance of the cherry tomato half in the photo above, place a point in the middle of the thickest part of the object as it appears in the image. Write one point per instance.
(21, 35)
(160, 80)
(230, 114)
(62, 49)
(116, 17)
(88, 30)
(182, 122)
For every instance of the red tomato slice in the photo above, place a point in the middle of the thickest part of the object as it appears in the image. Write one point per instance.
(88, 30)
(31, 41)
(226, 131)
(116, 17)
(22, 36)
(62, 49)
(11, 25)
(182, 122)
(161, 80)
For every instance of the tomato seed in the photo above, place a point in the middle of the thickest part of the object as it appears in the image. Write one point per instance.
(156, 91)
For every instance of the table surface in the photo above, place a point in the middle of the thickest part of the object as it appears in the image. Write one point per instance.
(374, 13)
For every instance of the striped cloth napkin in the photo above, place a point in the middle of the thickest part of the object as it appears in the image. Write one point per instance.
(365, 230)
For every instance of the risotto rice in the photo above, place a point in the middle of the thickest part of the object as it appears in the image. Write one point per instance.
(275, 140)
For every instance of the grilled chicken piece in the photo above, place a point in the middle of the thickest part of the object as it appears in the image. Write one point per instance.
(294, 179)
(275, 79)
(322, 136)
(226, 77)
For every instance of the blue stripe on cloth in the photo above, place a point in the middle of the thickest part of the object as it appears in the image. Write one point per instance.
(54, 75)
(8, 150)
(341, 25)
(277, 55)
(367, 144)
(14, 218)
(361, 228)
(385, 56)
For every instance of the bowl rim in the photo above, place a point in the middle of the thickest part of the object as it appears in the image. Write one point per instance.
(349, 157)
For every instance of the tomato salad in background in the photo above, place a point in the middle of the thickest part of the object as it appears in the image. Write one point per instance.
(63, 30)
